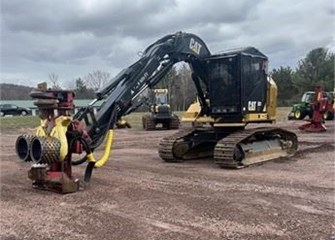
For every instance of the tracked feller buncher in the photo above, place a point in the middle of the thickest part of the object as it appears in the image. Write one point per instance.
(233, 89)
(238, 91)
(160, 112)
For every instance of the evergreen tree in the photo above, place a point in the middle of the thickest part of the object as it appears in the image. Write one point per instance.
(316, 68)
(287, 92)
(81, 91)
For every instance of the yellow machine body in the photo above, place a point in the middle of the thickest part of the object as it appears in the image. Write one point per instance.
(193, 113)
(56, 129)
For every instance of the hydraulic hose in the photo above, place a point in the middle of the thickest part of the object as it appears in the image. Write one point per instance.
(90, 157)
(108, 149)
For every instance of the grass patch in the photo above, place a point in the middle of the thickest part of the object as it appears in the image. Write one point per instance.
(15, 122)
(135, 120)
(282, 113)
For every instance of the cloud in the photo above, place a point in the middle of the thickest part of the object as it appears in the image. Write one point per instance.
(73, 38)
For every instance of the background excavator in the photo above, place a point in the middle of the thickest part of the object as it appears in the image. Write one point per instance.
(233, 89)
(160, 112)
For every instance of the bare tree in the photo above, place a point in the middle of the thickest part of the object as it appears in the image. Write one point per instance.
(54, 81)
(187, 88)
(97, 79)
(70, 84)
(180, 87)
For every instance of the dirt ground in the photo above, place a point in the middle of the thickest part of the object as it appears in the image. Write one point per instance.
(138, 196)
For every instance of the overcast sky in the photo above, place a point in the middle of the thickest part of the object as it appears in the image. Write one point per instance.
(74, 37)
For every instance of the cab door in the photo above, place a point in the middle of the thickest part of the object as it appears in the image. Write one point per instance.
(225, 89)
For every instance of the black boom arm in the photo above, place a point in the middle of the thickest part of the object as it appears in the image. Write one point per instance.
(155, 62)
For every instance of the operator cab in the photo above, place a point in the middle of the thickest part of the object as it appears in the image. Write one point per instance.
(161, 97)
(308, 97)
(237, 83)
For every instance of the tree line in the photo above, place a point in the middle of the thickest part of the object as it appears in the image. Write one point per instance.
(10, 91)
(317, 67)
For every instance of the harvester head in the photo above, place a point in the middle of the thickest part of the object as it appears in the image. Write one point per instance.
(48, 148)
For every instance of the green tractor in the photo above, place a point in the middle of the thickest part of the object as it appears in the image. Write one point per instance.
(160, 112)
(305, 107)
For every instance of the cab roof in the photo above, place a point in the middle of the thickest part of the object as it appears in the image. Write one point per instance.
(246, 51)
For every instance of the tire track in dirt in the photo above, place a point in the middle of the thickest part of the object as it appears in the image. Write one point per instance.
(325, 147)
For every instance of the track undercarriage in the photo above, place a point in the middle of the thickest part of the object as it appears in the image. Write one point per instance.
(150, 122)
(231, 147)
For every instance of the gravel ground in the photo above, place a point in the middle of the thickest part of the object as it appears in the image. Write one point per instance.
(138, 196)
